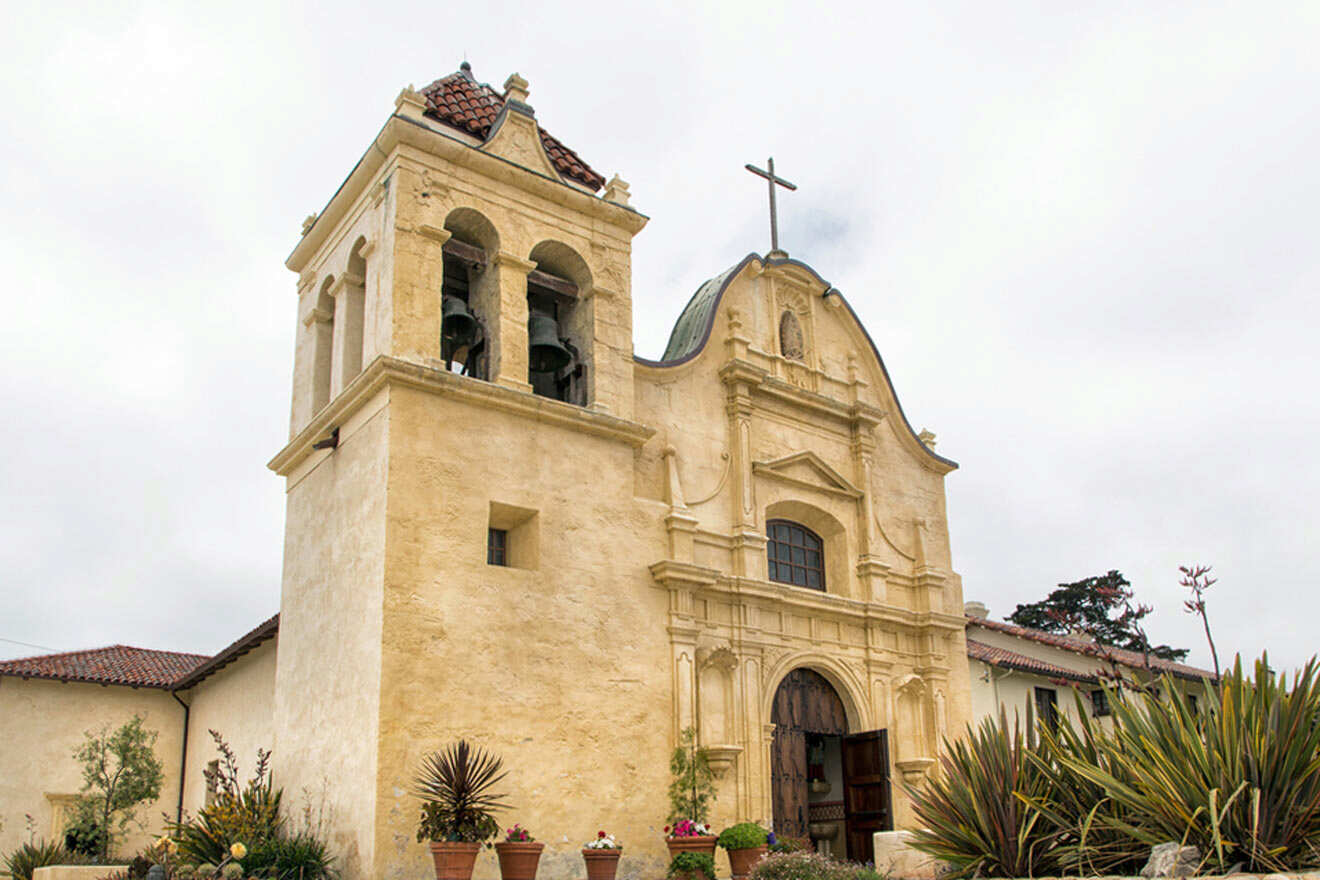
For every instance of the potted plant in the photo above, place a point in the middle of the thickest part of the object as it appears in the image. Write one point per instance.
(691, 866)
(601, 856)
(745, 843)
(458, 806)
(519, 854)
(691, 792)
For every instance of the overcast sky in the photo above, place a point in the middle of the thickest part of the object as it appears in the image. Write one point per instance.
(1084, 240)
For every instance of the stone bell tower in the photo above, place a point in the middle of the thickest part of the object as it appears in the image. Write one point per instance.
(463, 373)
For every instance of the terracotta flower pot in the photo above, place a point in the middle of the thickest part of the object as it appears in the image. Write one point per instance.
(602, 864)
(454, 860)
(741, 861)
(518, 860)
(702, 843)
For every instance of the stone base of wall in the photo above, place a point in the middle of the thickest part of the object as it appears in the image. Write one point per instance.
(896, 859)
(76, 872)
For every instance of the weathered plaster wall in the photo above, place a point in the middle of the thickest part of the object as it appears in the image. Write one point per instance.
(42, 724)
(239, 703)
(553, 667)
(328, 667)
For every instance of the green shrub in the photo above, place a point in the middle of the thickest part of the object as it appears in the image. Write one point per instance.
(83, 834)
(689, 864)
(744, 835)
(38, 854)
(206, 869)
(809, 865)
(301, 856)
(241, 813)
(789, 845)
(232, 871)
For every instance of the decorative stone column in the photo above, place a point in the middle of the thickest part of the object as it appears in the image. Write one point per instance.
(508, 354)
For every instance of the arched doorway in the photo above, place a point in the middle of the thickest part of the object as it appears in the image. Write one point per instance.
(824, 779)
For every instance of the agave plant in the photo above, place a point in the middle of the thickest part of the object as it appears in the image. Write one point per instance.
(977, 817)
(1240, 781)
(457, 802)
(1088, 825)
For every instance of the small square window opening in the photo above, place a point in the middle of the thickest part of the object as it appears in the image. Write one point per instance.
(497, 547)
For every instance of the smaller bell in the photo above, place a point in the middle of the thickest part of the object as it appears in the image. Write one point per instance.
(545, 353)
(458, 329)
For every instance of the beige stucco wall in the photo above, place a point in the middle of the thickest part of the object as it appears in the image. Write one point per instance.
(328, 667)
(42, 724)
(238, 702)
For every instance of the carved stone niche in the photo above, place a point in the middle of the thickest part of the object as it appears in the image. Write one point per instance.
(715, 699)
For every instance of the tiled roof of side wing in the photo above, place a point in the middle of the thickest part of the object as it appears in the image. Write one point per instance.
(461, 102)
(137, 667)
(117, 664)
(1131, 659)
(1007, 659)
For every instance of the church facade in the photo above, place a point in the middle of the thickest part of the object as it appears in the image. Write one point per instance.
(569, 554)
(502, 525)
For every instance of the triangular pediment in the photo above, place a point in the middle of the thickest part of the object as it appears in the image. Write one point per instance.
(807, 470)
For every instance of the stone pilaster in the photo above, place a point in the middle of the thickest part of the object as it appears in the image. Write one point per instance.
(508, 328)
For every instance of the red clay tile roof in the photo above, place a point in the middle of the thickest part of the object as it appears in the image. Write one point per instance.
(118, 664)
(1131, 659)
(267, 630)
(1012, 660)
(461, 102)
(137, 667)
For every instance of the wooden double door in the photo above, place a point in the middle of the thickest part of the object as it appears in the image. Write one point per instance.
(806, 703)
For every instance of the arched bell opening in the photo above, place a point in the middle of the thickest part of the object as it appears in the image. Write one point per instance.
(469, 293)
(559, 324)
(829, 782)
(321, 323)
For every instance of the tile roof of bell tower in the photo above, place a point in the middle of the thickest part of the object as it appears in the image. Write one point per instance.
(461, 102)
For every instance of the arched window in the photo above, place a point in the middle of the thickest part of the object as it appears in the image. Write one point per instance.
(796, 555)
(790, 337)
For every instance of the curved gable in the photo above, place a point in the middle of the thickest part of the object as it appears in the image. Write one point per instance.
(692, 332)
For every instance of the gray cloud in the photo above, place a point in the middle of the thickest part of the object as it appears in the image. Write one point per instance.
(1082, 238)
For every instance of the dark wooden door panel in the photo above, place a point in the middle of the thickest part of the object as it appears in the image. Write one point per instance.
(804, 703)
(867, 804)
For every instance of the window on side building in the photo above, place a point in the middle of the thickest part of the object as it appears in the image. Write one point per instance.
(1047, 706)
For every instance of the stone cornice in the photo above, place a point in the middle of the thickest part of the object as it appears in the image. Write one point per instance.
(710, 583)
(421, 135)
(385, 370)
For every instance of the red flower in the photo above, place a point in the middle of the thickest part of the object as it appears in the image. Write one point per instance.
(600, 833)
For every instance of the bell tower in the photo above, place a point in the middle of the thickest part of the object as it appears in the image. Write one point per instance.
(463, 365)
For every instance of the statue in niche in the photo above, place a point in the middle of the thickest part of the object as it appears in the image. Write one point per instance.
(790, 337)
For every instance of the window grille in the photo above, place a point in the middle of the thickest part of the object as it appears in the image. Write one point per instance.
(796, 555)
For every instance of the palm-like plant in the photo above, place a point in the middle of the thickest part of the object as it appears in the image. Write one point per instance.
(977, 816)
(455, 785)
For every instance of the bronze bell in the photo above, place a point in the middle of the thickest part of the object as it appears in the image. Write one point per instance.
(458, 329)
(545, 353)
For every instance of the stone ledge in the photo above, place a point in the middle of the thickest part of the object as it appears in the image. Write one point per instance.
(76, 872)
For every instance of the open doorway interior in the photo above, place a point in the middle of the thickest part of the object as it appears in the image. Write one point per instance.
(825, 818)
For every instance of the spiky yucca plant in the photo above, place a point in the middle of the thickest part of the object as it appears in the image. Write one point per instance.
(455, 787)
(975, 815)
(1240, 780)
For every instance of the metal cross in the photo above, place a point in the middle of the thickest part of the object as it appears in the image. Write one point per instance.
(769, 175)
